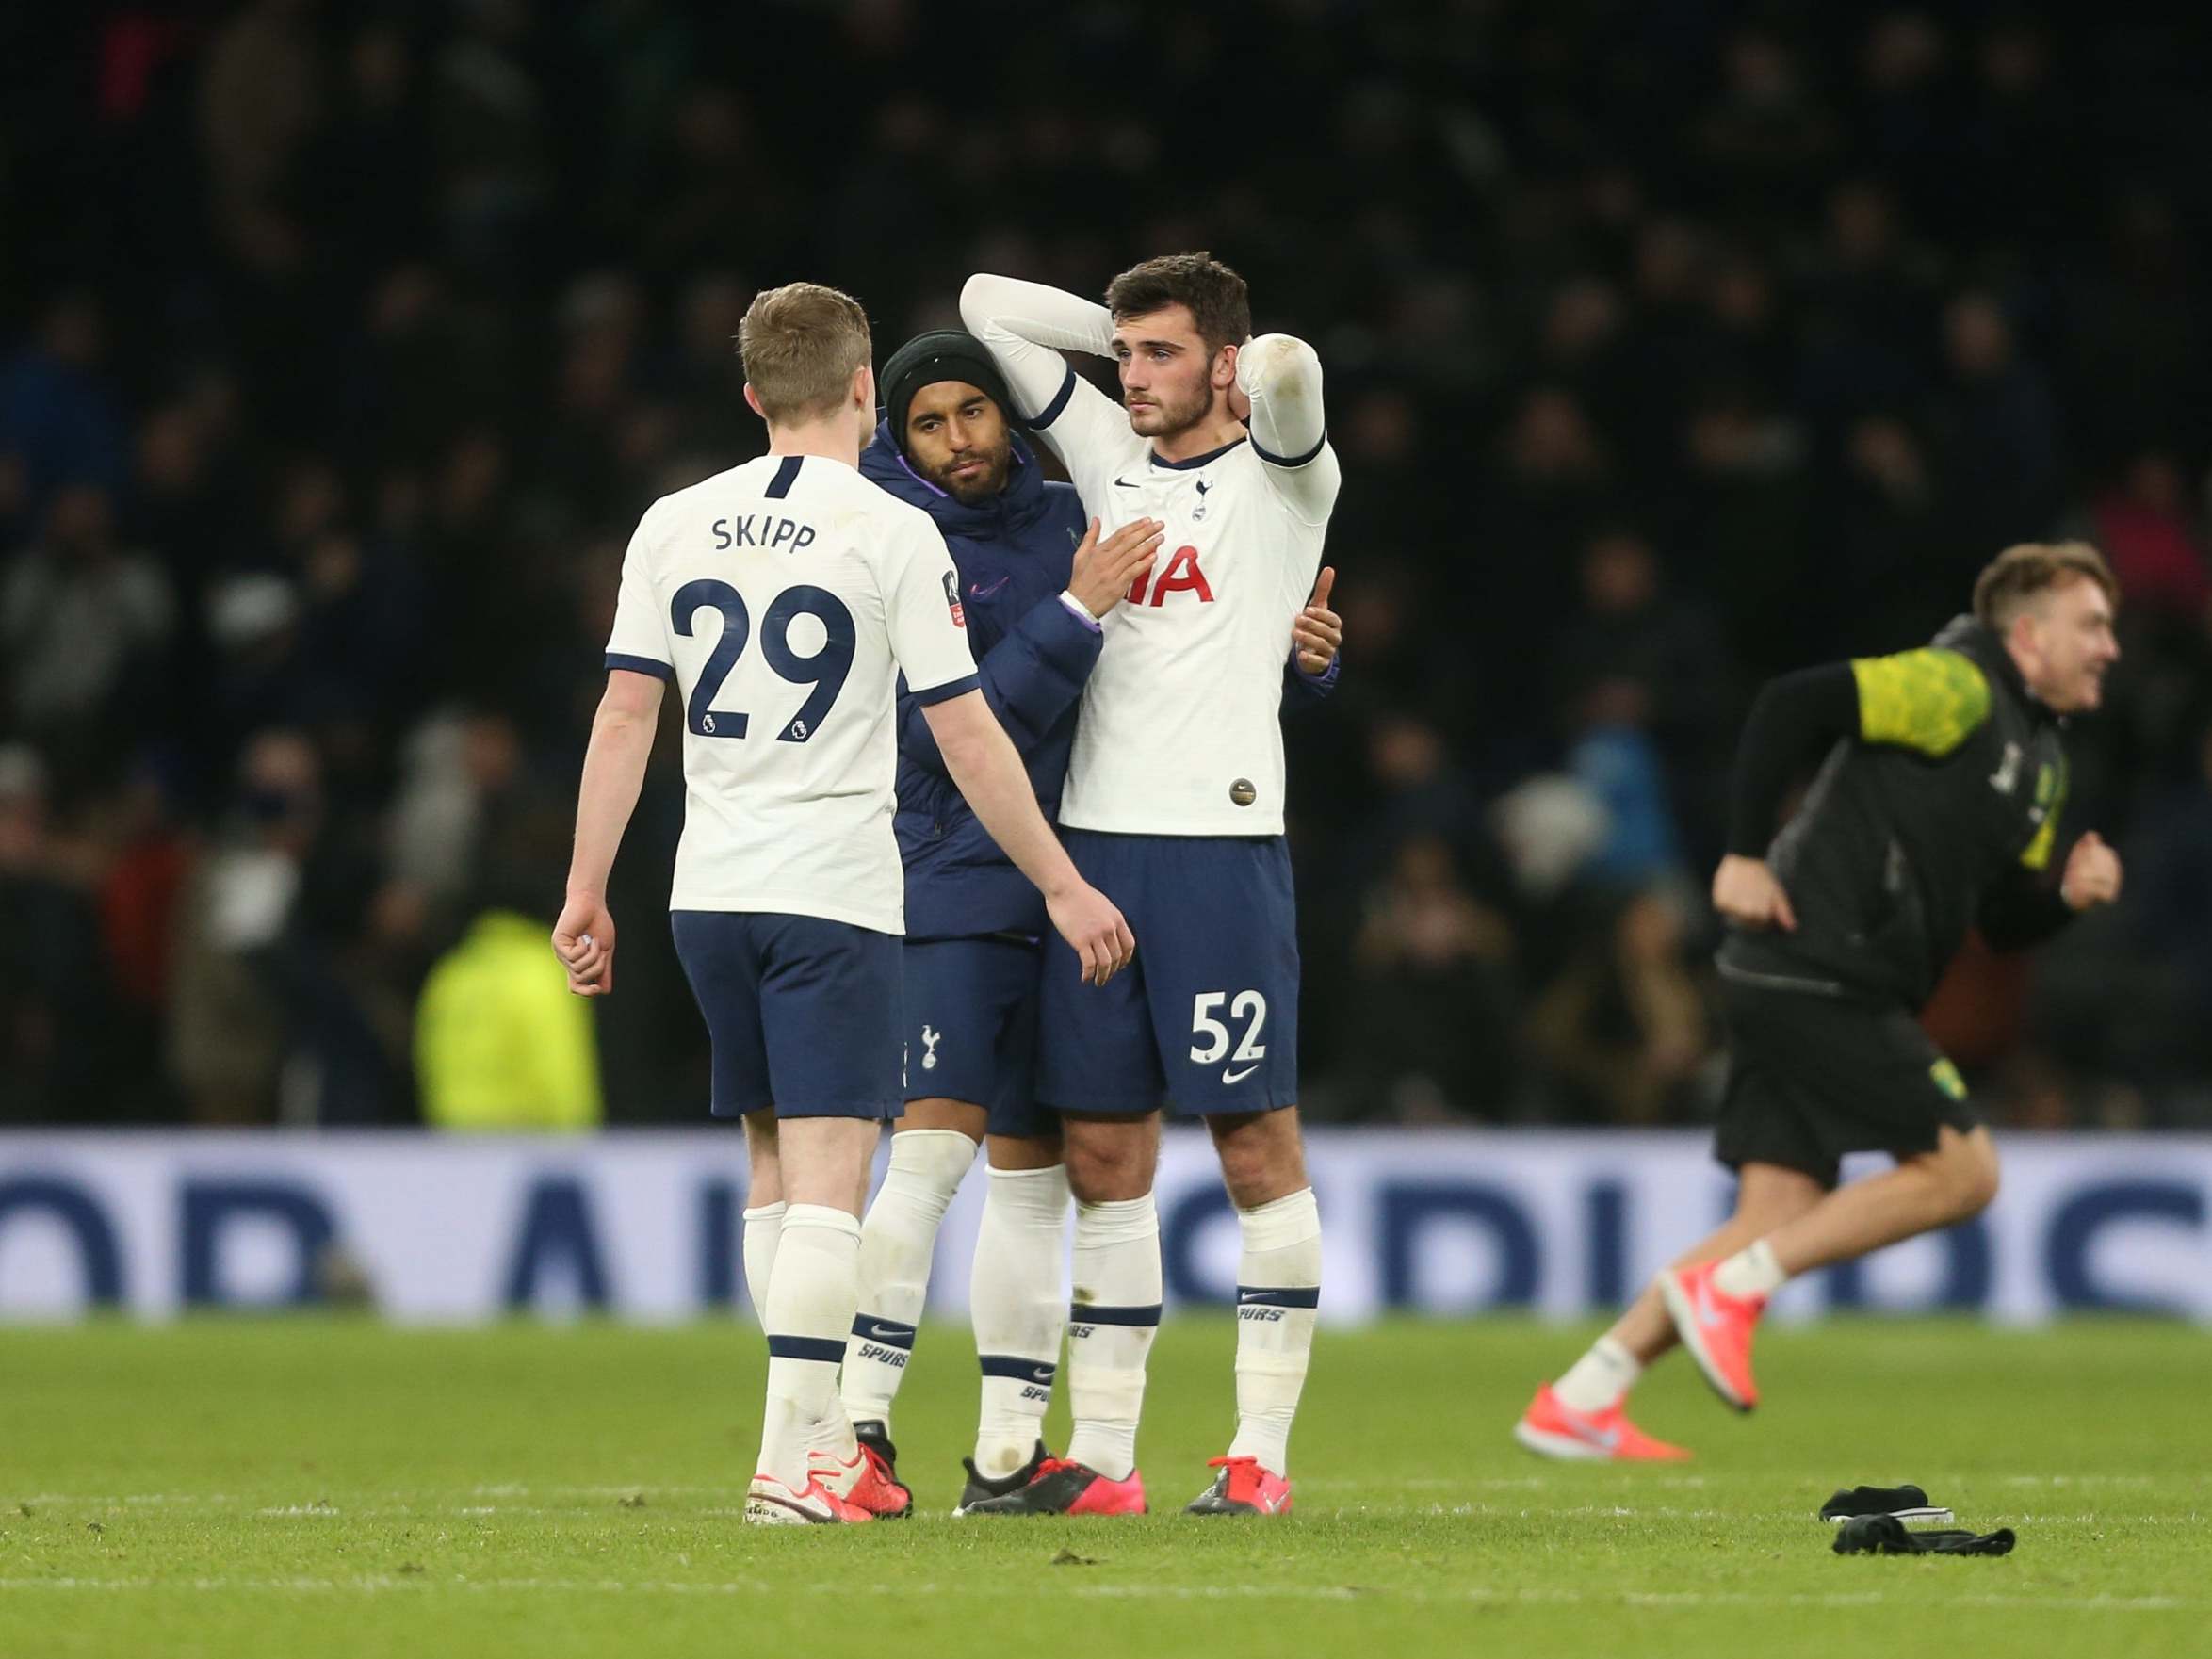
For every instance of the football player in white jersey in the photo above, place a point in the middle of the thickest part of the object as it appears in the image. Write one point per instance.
(1175, 800)
(783, 598)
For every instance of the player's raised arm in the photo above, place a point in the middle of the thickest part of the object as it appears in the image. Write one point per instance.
(1278, 383)
(1026, 326)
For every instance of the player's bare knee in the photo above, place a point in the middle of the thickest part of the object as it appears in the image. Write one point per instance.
(1108, 1162)
(1257, 1175)
(1093, 1179)
(1964, 1168)
(1974, 1176)
(1263, 1158)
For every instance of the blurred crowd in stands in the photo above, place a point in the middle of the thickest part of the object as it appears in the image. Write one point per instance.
(1669, 343)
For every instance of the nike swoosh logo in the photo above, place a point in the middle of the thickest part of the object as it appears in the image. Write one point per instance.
(1701, 1304)
(1127, 485)
(976, 592)
(1605, 1439)
(881, 1335)
(1229, 1077)
(1043, 1375)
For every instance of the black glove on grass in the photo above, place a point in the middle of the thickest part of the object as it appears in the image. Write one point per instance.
(1885, 1535)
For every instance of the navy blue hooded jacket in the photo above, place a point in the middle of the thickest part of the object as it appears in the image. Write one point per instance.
(1014, 554)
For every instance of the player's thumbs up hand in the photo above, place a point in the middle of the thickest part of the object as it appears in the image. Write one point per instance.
(1087, 919)
(2092, 873)
(1318, 634)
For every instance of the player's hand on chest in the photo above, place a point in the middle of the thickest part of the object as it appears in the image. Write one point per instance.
(1197, 551)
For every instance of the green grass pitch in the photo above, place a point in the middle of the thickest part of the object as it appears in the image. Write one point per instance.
(336, 1487)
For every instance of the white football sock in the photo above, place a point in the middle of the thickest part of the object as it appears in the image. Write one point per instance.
(1017, 1295)
(811, 1301)
(1111, 1323)
(896, 1243)
(1279, 1289)
(763, 1228)
(1751, 1272)
(1601, 1379)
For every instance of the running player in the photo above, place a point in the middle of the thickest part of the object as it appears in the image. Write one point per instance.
(1175, 795)
(1938, 806)
(1034, 579)
(782, 598)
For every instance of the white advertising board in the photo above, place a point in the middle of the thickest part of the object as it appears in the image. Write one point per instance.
(645, 1225)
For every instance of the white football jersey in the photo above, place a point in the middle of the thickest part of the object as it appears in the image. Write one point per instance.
(784, 598)
(1181, 726)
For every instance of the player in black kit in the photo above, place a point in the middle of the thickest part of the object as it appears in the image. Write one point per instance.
(1937, 809)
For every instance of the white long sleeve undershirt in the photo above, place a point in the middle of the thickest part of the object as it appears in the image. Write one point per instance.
(1027, 325)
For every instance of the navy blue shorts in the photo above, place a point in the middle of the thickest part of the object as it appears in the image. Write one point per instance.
(971, 1029)
(803, 1013)
(1205, 1018)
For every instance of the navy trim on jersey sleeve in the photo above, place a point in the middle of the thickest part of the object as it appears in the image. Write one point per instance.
(1197, 460)
(787, 474)
(1052, 411)
(660, 671)
(1294, 462)
(950, 689)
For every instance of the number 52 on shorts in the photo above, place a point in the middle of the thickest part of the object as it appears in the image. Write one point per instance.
(1212, 1036)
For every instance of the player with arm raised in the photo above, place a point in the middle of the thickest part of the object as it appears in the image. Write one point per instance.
(783, 598)
(1938, 806)
(1175, 786)
(1034, 576)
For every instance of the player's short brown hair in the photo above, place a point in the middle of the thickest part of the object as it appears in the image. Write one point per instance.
(1219, 302)
(2011, 581)
(801, 343)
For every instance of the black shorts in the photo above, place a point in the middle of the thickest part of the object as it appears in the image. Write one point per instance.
(1813, 1077)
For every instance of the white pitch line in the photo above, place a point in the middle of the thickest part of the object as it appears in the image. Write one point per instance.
(1479, 1594)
